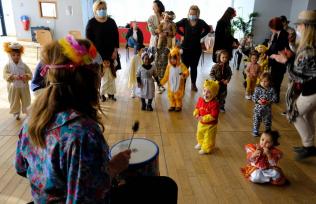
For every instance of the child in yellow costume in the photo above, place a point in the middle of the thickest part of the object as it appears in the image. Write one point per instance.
(263, 58)
(206, 111)
(176, 73)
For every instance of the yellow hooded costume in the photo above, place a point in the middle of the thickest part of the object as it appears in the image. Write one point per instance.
(263, 58)
(207, 111)
(175, 75)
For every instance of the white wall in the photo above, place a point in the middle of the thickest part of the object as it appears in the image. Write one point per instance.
(297, 7)
(8, 17)
(124, 11)
(59, 26)
(268, 9)
(311, 5)
(243, 9)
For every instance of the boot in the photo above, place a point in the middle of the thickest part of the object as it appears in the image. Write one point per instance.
(143, 103)
(149, 107)
(193, 87)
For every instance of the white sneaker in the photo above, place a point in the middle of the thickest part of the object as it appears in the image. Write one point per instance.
(161, 89)
(197, 147)
(16, 116)
(202, 152)
(248, 97)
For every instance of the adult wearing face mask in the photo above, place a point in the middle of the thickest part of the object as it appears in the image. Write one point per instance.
(102, 31)
(301, 93)
(224, 40)
(192, 29)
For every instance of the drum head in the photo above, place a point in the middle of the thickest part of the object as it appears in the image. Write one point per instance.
(143, 150)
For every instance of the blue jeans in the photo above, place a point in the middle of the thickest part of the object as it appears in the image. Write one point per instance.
(131, 42)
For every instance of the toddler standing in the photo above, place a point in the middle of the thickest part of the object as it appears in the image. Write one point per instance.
(252, 71)
(222, 72)
(17, 74)
(263, 97)
(108, 80)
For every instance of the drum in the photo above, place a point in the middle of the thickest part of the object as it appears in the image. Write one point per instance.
(144, 159)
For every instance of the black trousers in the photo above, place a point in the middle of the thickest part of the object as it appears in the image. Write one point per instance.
(145, 190)
(277, 75)
(191, 57)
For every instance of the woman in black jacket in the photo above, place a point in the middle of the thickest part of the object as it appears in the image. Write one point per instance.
(134, 37)
(193, 29)
(224, 40)
(279, 42)
(103, 32)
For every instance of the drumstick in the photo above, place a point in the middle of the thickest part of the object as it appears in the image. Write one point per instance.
(135, 129)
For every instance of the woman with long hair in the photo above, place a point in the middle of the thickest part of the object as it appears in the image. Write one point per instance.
(61, 147)
(224, 40)
(301, 93)
(192, 29)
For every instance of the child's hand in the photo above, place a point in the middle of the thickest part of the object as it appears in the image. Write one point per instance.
(225, 82)
(256, 153)
(199, 118)
(266, 151)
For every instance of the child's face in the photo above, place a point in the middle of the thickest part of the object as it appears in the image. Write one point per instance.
(265, 82)
(223, 58)
(173, 61)
(106, 63)
(207, 95)
(265, 141)
(146, 60)
(254, 59)
(15, 56)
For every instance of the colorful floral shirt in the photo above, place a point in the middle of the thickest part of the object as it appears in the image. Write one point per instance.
(72, 168)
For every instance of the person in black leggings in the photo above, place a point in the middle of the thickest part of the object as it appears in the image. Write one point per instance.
(193, 29)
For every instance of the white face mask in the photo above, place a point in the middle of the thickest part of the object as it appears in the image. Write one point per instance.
(298, 36)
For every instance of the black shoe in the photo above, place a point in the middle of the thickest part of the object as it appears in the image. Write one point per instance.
(149, 108)
(103, 98)
(306, 152)
(144, 107)
(171, 109)
(178, 109)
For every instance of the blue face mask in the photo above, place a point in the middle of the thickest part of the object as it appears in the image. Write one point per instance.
(101, 13)
(193, 17)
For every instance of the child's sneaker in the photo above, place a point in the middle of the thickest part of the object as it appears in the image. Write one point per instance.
(222, 110)
(16, 116)
(133, 95)
(178, 109)
(197, 147)
(248, 97)
(255, 134)
(103, 98)
(161, 89)
(202, 152)
(171, 109)
(149, 108)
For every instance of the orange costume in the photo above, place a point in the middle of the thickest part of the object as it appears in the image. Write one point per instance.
(206, 111)
(175, 75)
(262, 170)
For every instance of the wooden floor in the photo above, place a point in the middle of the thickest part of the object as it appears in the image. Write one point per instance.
(214, 178)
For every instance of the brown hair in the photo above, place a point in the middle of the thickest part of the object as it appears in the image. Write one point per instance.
(266, 75)
(75, 89)
(195, 8)
(255, 53)
(219, 53)
(276, 24)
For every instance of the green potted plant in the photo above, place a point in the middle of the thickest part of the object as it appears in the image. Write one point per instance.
(244, 26)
